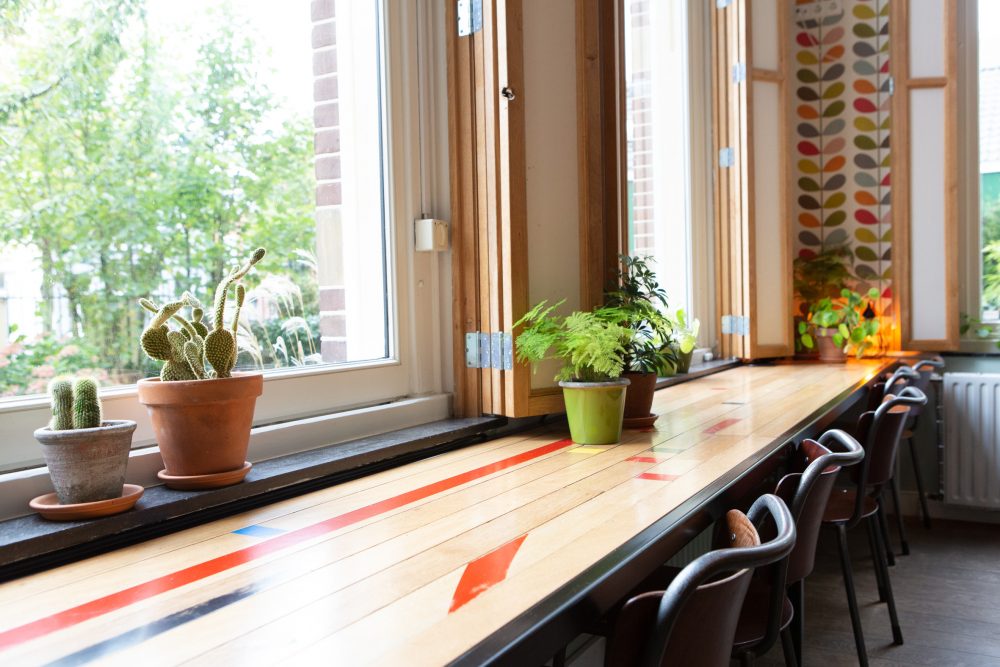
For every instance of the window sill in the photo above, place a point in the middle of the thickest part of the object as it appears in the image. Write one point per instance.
(698, 370)
(30, 544)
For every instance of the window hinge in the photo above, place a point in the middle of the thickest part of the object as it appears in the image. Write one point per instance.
(892, 86)
(726, 157)
(470, 17)
(737, 325)
(489, 350)
(739, 73)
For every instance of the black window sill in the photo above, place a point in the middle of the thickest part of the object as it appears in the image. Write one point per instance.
(697, 371)
(30, 544)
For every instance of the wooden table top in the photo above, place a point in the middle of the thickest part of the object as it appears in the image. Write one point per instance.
(418, 564)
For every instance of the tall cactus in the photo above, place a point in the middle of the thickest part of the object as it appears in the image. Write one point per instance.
(191, 350)
(61, 394)
(86, 404)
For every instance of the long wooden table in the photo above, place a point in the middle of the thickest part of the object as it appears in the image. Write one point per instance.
(497, 552)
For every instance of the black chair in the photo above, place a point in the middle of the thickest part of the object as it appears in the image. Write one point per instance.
(767, 609)
(918, 376)
(881, 431)
(925, 368)
(694, 620)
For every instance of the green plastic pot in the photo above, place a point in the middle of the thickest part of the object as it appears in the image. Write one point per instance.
(594, 410)
(684, 360)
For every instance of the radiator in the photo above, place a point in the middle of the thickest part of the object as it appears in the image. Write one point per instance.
(972, 439)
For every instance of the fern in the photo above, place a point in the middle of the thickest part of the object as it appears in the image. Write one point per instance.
(590, 344)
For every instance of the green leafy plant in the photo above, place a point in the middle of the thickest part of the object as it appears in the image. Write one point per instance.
(844, 316)
(193, 351)
(591, 344)
(822, 275)
(74, 405)
(638, 297)
(979, 329)
(686, 331)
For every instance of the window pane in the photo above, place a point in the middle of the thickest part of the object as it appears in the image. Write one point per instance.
(148, 146)
(656, 86)
(989, 155)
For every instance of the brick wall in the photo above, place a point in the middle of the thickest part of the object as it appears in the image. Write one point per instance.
(326, 118)
(639, 103)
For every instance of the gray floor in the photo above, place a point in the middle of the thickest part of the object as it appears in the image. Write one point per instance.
(947, 596)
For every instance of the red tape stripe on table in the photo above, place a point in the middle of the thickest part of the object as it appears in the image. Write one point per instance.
(193, 573)
(484, 573)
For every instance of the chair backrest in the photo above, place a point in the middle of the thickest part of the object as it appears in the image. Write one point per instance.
(880, 431)
(806, 490)
(694, 621)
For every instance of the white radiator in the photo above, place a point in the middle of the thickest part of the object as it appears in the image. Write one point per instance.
(972, 439)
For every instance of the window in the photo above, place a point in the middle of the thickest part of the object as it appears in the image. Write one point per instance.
(666, 98)
(989, 159)
(149, 146)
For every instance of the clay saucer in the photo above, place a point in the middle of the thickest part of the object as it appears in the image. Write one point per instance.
(48, 505)
(640, 422)
(213, 481)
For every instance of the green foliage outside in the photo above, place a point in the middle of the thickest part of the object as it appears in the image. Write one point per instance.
(991, 254)
(131, 178)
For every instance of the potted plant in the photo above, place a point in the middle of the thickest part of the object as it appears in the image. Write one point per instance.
(638, 299)
(687, 338)
(834, 326)
(200, 409)
(591, 345)
(86, 455)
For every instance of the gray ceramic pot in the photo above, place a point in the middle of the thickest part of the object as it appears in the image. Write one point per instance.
(87, 464)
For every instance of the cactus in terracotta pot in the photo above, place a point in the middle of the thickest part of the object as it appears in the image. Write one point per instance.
(200, 409)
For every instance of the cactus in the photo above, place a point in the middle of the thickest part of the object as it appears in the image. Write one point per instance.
(86, 404)
(74, 406)
(193, 351)
(61, 393)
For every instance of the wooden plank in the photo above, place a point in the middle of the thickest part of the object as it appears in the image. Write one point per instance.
(462, 174)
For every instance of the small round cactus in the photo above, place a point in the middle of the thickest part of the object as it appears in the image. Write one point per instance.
(86, 404)
(61, 394)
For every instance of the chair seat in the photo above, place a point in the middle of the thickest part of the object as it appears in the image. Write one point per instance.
(753, 618)
(840, 507)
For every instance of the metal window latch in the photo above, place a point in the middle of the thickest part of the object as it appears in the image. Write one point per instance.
(489, 350)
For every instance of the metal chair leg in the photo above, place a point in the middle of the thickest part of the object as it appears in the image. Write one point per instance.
(897, 633)
(746, 659)
(797, 594)
(872, 528)
(559, 659)
(883, 524)
(788, 648)
(852, 600)
(924, 512)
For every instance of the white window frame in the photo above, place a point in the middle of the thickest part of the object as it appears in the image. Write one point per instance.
(699, 236)
(306, 408)
(970, 223)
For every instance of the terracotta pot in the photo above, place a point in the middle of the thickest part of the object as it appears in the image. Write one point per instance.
(639, 397)
(828, 350)
(202, 426)
(87, 464)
